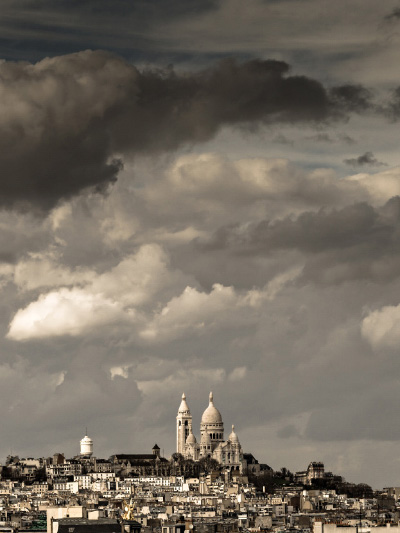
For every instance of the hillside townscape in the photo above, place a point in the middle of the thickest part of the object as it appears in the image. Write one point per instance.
(222, 489)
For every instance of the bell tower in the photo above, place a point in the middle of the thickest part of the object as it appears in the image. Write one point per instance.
(183, 425)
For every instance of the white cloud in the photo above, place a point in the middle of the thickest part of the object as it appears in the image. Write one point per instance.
(192, 310)
(57, 379)
(199, 312)
(208, 190)
(121, 371)
(65, 312)
(137, 278)
(273, 288)
(98, 300)
(238, 373)
(381, 328)
(43, 270)
(380, 186)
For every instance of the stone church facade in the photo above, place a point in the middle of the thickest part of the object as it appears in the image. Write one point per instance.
(228, 452)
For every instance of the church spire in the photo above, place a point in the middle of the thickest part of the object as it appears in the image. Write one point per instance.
(184, 408)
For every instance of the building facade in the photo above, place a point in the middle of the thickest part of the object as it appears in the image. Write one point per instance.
(212, 444)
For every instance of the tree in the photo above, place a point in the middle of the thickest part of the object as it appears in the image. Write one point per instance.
(177, 457)
(40, 474)
(208, 464)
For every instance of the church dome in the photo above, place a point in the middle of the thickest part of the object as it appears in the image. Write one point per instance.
(233, 438)
(191, 439)
(184, 408)
(211, 415)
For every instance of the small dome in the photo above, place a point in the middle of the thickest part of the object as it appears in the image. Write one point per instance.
(211, 415)
(86, 440)
(184, 408)
(191, 439)
(233, 438)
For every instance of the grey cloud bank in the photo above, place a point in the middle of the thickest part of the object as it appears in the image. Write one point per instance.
(67, 119)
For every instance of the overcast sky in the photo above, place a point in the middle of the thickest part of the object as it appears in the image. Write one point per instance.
(202, 196)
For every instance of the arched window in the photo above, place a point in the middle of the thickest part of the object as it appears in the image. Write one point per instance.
(186, 422)
(180, 423)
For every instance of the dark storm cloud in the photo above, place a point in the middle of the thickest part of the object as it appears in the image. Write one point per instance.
(65, 118)
(394, 15)
(393, 109)
(320, 137)
(354, 98)
(356, 242)
(367, 159)
(310, 232)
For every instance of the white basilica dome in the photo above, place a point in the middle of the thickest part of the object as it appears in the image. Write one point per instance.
(233, 437)
(191, 439)
(211, 415)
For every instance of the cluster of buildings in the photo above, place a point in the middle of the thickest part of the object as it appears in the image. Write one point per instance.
(207, 486)
(228, 452)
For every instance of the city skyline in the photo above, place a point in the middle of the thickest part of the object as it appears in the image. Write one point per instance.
(202, 197)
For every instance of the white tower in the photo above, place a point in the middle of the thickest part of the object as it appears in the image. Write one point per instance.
(183, 425)
(86, 447)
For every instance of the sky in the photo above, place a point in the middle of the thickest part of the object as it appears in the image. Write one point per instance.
(202, 197)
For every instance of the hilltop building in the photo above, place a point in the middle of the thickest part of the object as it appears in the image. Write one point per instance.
(228, 452)
(86, 445)
(315, 470)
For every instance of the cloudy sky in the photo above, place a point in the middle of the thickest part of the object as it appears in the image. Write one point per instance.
(202, 196)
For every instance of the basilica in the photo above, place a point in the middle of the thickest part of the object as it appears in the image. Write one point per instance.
(212, 444)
